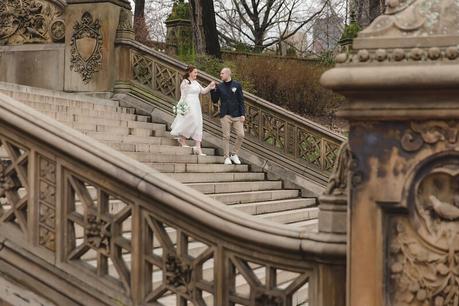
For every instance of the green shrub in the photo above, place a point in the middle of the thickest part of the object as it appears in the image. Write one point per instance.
(212, 65)
(291, 84)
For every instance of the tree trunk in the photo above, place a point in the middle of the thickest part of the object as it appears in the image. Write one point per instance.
(139, 8)
(205, 28)
(259, 38)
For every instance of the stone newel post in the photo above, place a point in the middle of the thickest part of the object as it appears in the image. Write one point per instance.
(91, 29)
(402, 82)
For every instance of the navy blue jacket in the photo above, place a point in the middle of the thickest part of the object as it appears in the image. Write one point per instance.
(231, 98)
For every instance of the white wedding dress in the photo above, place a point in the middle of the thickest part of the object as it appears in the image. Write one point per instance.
(190, 124)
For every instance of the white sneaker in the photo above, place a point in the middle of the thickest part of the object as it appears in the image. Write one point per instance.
(228, 161)
(235, 159)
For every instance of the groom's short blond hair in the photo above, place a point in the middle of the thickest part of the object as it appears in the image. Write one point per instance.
(227, 69)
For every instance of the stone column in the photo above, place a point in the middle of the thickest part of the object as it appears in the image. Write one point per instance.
(91, 30)
(179, 38)
(402, 83)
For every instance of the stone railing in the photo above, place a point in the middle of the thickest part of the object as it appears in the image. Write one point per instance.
(273, 133)
(83, 224)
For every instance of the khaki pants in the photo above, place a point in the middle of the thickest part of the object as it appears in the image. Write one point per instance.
(238, 126)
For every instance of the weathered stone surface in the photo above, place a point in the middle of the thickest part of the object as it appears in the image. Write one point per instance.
(13, 294)
(34, 65)
(402, 84)
(31, 21)
(90, 52)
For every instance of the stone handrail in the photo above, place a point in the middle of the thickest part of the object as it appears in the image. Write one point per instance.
(97, 228)
(278, 135)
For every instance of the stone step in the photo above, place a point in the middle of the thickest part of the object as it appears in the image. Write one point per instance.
(104, 115)
(69, 105)
(56, 97)
(132, 139)
(258, 208)
(166, 167)
(255, 196)
(233, 187)
(166, 158)
(122, 131)
(217, 177)
(161, 149)
(90, 120)
(290, 216)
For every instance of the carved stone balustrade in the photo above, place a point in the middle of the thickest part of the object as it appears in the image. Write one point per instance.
(277, 140)
(88, 226)
(402, 81)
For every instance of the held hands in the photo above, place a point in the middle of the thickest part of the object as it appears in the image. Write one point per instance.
(212, 85)
(242, 118)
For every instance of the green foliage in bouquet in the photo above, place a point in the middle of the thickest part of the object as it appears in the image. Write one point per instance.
(181, 108)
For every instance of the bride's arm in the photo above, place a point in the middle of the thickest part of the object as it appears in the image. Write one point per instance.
(205, 91)
(183, 89)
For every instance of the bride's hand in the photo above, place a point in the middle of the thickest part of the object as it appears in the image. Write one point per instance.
(212, 85)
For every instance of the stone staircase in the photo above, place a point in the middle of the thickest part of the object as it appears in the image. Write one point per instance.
(239, 186)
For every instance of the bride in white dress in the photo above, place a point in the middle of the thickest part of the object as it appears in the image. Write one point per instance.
(190, 125)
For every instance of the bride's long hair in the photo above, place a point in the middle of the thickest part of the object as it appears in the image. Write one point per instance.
(189, 69)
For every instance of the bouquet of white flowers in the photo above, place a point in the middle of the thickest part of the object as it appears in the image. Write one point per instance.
(181, 108)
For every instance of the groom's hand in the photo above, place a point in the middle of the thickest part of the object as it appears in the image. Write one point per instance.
(242, 118)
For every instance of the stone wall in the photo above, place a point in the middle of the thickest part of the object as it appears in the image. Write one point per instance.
(34, 65)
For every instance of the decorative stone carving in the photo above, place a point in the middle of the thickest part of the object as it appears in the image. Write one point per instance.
(178, 274)
(142, 69)
(338, 181)
(430, 133)
(57, 30)
(29, 21)
(86, 47)
(415, 18)
(97, 233)
(125, 21)
(268, 300)
(421, 275)
(47, 203)
(5, 185)
(424, 252)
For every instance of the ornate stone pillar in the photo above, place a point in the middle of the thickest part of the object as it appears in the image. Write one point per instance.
(402, 83)
(91, 30)
(179, 37)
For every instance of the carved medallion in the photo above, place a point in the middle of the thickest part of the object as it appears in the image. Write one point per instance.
(57, 30)
(98, 233)
(178, 274)
(86, 51)
(436, 206)
(424, 248)
(28, 21)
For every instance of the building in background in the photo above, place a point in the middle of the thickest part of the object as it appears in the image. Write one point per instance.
(295, 45)
(326, 32)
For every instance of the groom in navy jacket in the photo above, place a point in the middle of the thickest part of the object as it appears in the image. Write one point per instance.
(232, 113)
